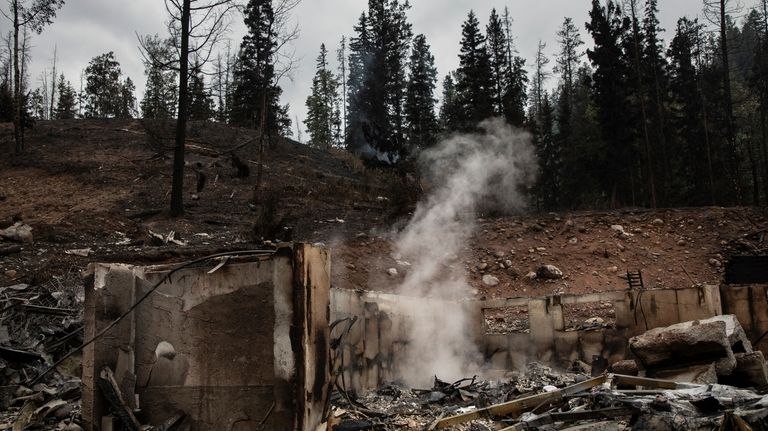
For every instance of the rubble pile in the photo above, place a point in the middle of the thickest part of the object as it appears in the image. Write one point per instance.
(527, 402)
(707, 351)
(38, 326)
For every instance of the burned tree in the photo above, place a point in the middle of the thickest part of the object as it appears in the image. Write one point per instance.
(195, 27)
(35, 15)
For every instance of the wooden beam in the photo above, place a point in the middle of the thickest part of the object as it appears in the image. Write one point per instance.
(519, 406)
(621, 379)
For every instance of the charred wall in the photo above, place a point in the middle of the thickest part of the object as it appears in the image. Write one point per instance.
(243, 347)
(374, 349)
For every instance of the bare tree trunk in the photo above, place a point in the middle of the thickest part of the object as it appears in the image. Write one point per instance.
(764, 147)
(53, 85)
(755, 175)
(648, 152)
(17, 105)
(177, 187)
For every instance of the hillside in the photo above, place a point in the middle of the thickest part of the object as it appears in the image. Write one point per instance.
(99, 185)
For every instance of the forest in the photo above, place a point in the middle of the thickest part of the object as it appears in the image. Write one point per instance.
(619, 116)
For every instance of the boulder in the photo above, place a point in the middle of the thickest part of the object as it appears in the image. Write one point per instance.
(549, 272)
(490, 280)
(19, 232)
(694, 342)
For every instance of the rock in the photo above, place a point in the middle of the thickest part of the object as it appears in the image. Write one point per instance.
(657, 222)
(682, 243)
(499, 254)
(19, 232)
(716, 263)
(490, 280)
(620, 246)
(693, 342)
(573, 241)
(531, 275)
(508, 263)
(392, 272)
(351, 266)
(11, 273)
(549, 272)
(703, 374)
(613, 269)
(595, 273)
(627, 367)
(751, 371)
(483, 266)
(618, 228)
(72, 427)
(594, 321)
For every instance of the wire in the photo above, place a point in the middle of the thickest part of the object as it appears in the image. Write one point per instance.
(142, 299)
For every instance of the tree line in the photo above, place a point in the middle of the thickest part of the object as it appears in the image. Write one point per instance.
(632, 121)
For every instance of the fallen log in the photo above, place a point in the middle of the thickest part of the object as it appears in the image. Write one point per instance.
(519, 406)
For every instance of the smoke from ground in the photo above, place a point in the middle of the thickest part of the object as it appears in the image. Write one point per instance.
(466, 172)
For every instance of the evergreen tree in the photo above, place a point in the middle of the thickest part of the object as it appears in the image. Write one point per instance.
(420, 101)
(540, 76)
(515, 95)
(614, 162)
(126, 103)
(450, 109)
(256, 95)
(498, 60)
(377, 79)
(322, 105)
(547, 190)
(103, 90)
(66, 107)
(201, 106)
(475, 84)
(160, 96)
(358, 102)
(692, 170)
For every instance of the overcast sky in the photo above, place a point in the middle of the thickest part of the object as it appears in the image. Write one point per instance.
(86, 28)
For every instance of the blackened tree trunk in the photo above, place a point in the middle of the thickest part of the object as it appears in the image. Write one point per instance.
(18, 134)
(729, 120)
(177, 187)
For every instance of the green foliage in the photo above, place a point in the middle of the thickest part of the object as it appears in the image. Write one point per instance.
(420, 100)
(105, 93)
(323, 118)
(161, 92)
(66, 109)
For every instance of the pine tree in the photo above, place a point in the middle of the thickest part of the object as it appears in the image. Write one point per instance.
(608, 29)
(160, 97)
(692, 170)
(126, 103)
(547, 190)
(450, 109)
(322, 103)
(420, 102)
(358, 102)
(515, 94)
(498, 59)
(104, 91)
(475, 85)
(201, 106)
(377, 79)
(66, 107)
(256, 95)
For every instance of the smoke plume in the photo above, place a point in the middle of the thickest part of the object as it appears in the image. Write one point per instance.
(490, 168)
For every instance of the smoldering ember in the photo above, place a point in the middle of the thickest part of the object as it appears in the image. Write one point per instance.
(350, 216)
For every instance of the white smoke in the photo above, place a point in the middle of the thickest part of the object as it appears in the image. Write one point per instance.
(466, 171)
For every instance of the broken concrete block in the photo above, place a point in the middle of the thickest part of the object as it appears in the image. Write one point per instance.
(751, 371)
(701, 374)
(628, 368)
(694, 342)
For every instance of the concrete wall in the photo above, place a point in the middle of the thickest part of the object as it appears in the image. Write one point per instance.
(750, 305)
(251, 341)
(372, 349)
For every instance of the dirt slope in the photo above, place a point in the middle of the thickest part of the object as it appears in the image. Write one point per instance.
(97, 184)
